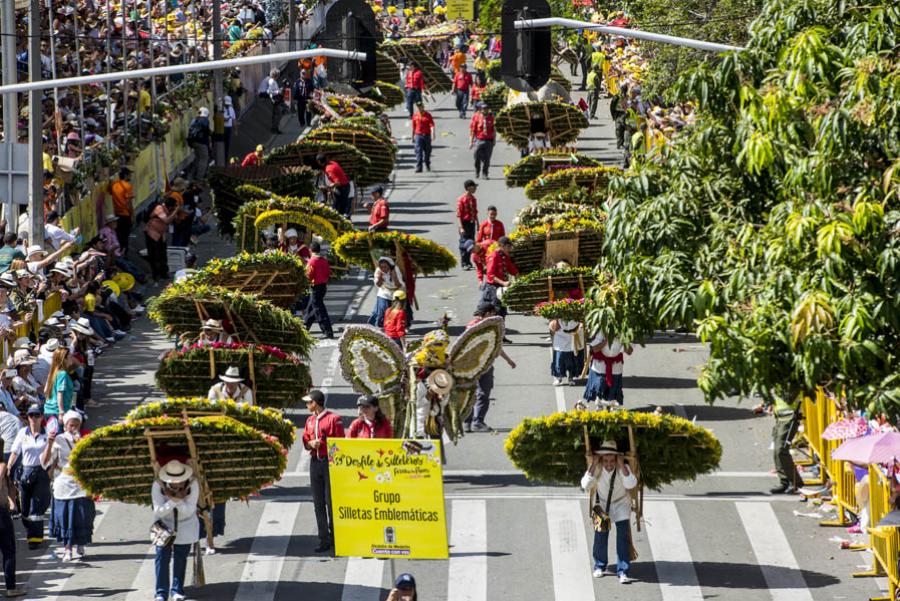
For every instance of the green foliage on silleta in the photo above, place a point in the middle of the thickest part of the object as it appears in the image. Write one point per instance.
(552, 449)
(304, 151)
(769, 227)
(360, 248)
(536, 287)
(535, 164)
(562, 122)
(277, 277)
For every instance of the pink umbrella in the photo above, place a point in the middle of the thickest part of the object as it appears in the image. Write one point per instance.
(846, 428)
(874, 448)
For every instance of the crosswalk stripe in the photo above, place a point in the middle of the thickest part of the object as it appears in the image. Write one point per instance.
(468, 551)
(262, 571)
(144, 583)
(560, 398)
(671, 555)
(569, 551)
(773, 553)
(362, 580)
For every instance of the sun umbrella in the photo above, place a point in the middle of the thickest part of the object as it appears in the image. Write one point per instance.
(875, 448)
(845, 429)
(891, 519)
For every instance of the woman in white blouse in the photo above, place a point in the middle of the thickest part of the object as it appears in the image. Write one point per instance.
(174, 495)
(72, 516)
(33, 480)
(387, 280)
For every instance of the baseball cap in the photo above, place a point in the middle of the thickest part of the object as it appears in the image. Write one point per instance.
(316, 396)
(470, 182)
(379, 189)
(405, 580)
(367, 399)
(34, 409)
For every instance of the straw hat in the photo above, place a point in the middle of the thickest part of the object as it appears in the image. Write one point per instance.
(23, 357)
(72, 414)
(175, 472)
(34, 249)
(232, 374)
(440, 381)
(291, 233)
(607, 447)
(212, 324)
(83, 326)
(22, 343)
(51, 345)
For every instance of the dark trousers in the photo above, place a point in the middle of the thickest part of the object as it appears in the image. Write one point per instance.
(462, 101)
(227, 141)
(423, 151)
(157, 257)
(35, 499)
(413, 97)
(321, 491)
(304, 117)
(342, 202)
(181, 234)
(8, 547)
(594, 100)
(179, 568)
(483, 151)
(123, 230)
(623, 548)
(782, 435)
(465, 256)
(316, 310)
(482, 397)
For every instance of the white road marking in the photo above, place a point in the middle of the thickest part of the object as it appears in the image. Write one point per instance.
(52, 583)
(512, 473)
(262, 570)
(773, 553)
(569, 552)
(560, 398)
(551, 496)
(467, 580)
(144, 584)
(671, 554)
(362, 580)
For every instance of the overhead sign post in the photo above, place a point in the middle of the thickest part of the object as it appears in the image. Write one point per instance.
(460, 9)
(387, 497)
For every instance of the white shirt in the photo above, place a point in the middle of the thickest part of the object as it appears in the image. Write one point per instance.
(610, 350)
(564, 337)
(26, 387)
(57, 235)
(243, 395)
(8, 403)
(65, 486)
(229, 116)
(29, 448)
(41, 369)
(620, 505)
(388, 285)
(9, 428)
(164, 509)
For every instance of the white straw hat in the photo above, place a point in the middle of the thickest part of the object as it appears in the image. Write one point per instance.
(175, 472)
(232, 374)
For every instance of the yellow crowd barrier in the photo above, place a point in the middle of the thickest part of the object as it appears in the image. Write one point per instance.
(45, 309)
(884, 541)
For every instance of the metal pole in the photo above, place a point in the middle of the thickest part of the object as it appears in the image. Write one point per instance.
(218, 117)
(107, 67)
(10, 104)
(626, 33)
(35, 124)
(52, 44)
(188, 68)
(292, 25)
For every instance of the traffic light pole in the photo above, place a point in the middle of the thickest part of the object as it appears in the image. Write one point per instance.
(625, 33)
(35, 125)
(218, 91)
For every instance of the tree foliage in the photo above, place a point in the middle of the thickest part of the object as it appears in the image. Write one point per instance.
(771, 227)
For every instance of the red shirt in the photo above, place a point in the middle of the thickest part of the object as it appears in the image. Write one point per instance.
(335, 174)
(380, 211)
(330, 426)
(462, 81)
(490, 230)
(303, 251)
(467, 207)
(422, 124)
(250, 160)
(499, 265)
(478, 262)
(318, 270)
(482, 126)
(415, 80)
(360, 429)
(395, 323)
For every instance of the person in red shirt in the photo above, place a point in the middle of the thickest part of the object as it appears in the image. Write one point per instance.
(338, 184)
(467, 217)
(318, 270)
(415, 87)
(423, 135)
(497, 275)
(371, 423)
(395, 319)
(479, 257)
(491, 228)
(319, 427)
(462, 82)
(253, 158)
(289, 242)
(379, 210)
(481, 138)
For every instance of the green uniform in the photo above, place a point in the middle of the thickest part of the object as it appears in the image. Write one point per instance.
(787, 418)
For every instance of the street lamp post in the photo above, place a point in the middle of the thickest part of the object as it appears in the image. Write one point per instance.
(35, 123)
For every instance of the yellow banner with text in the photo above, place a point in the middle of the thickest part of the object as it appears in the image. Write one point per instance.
(387, 496)
(460, 9)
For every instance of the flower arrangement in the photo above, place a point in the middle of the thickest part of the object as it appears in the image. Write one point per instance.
(595, 179)
(370, 361)
(436, 79)
(432, 352)
(569, 309)
(268, 421)
(359, 247)
(354, 163)
(388, 94)
(315, 224)
(529, 251)
(552, 449)
(536, 164)
(114, 461)
(279, 379)
(374, 145)
(385, 68)
(562, 122)
(277, 277)
(495, 96)
(180, 309)
(367, 122)
(542, 212)
(546, 285)
(343, 105)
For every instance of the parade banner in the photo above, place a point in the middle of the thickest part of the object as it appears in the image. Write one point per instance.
(460, 9)
(387, 496)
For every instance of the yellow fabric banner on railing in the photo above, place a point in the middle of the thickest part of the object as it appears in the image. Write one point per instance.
(387, 497)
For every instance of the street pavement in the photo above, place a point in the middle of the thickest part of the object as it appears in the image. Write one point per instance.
(721, 536)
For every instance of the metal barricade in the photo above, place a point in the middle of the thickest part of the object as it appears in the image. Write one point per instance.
(884, 541)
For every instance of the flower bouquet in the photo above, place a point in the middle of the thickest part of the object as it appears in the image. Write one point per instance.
(543, 161)
(546, 285)
(594, 179)
(537, 247)
(495, 96)
(354, 163)
(562, 122)
(540, 213)
(277, 277)
(363, 248)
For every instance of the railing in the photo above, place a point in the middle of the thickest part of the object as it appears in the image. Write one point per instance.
(44, 310)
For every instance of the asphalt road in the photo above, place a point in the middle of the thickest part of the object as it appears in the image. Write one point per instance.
(720, 537)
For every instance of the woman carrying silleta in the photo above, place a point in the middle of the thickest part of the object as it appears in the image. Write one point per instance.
(609, 480)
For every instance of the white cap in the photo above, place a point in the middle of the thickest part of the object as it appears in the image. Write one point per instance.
(291, 233)
(204, 112)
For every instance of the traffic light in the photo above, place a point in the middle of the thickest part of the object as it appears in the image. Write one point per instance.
(525, 60)
(350, 25)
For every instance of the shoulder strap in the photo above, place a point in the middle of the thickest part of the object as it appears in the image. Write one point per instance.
(612, 482)
(175, 529)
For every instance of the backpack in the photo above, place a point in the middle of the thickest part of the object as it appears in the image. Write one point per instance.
(195, 132)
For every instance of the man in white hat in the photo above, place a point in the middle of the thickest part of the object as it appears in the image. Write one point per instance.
(609, 481)
(41, 367)
(231, 388)
(289, 242)
(174, 495)
(432, 396)
(37, 259)
(213, 331)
